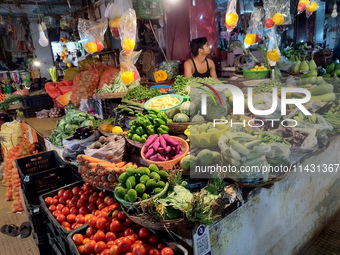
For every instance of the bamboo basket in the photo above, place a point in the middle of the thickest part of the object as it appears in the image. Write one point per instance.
(179, 128)
(110, 95)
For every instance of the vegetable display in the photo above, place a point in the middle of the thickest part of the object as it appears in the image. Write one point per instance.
(294, 137)
(268, 86)
(129, 108)
(162, 148)
(147, 125)
(10, 99)
(141, 183)
(164, 102)
(141, 94)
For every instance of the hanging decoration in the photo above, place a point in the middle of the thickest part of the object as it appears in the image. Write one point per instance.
(334, 12)
(43, 41)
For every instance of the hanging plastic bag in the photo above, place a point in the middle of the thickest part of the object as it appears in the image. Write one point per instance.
(311, 7)
(231, 16)
(114, 11)
(277, 12)
(127, 30)
(273, 53)
(254, 32)
(92, 35)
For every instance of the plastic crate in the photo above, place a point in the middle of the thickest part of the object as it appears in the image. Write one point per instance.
(39, 100)
(43, 244)
(57, 250)
(38, 222)
(43, 173)
(31, 112)
(108, 105)
(164, 237)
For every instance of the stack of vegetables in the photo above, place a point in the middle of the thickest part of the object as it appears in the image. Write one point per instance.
(9, 100)
(332, 70)
(146, 125)
(319, 89)
(141, 183)
(68, 124)
(333, 115)
(101, 173)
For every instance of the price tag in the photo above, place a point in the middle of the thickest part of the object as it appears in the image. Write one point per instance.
(202, 241)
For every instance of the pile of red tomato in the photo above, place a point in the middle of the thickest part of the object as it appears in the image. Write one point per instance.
(70, 207)
(106, 235)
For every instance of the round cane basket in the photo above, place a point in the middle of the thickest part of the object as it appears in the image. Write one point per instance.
(179, 128)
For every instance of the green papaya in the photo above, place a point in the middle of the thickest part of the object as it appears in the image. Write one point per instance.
(330, 68)
(336, 73)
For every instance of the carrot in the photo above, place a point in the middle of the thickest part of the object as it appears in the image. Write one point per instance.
(92, 166)
(108, 170)
(91, 159)
(121, 164)
(106, 164)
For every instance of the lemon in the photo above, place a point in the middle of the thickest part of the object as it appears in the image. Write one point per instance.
(117, 130)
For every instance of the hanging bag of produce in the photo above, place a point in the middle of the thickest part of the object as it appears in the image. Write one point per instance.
(92, 35)
(254, 32)
(311, 7)
(231, 16)
(114, 11)
(273, 53)
(127, 27)
(277, 12)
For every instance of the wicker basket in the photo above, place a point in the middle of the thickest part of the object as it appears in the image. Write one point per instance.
(109, 95)
(179, 128)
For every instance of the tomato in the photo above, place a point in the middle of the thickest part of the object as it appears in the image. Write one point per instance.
(124, 244)
(84, 197)
(93, 199)
(72, 203)
(101, 222)
(60, 207)
(124, 226)
(80, 219)
(89, 246)
(154, 252)
(121, 216)
(153, 239)
(115, 214)
(52, 208)
(71, 218)
(167, 251)
(91, 207)
(54, 201)
(81, 192)
(110, 201)
(66, 225)
(78, 239)
(301, 7)
(138, 249)
(56, 213)
(80, 203)
(128, 221)
(81, 249)
(60, 217)
(97, 213)
(76, 197)
(87, 217)
(67, 194)
(114, 250)
(113, 207)
(61, 192)
(128, 232)
(48, 200)
(139, 242)
(104, 214)
(148, 247)
(129, 253)
(99, 201)
(101, 206)
(92, 221)
(90, 231)
(86, 240)
(110, 237)
(160, 246)
(105, 252)
(99, 236)
(74, 210)
(75, 190)
(269, 23)
(107, 227)
(144, 233)
(102, 194)
(105, 210)
(83, 210)
(65, 211)
(100, 247)
(131, 238)
(135, 237)
(115, 226)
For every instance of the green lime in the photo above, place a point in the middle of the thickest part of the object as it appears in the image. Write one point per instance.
(131, 182)
(157, 190)
(161, 184)
(132, 195)
(140, 188)
(145, 196)
(155, 176)
(130, 171)
(120, 192)
(164, 175)
(140, 171)
(144, 179)
(153, 168)
(122, 178)
(151, 185)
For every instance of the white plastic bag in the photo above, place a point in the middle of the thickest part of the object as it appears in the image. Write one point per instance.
(114, 11)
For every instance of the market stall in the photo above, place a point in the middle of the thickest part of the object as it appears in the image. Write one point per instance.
(137, 158)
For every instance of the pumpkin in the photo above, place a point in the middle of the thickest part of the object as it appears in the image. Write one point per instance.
(181, 118)
(198, 118)
(160, 76)
(188, 108)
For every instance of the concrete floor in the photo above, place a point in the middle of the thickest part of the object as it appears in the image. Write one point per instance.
(12, 245)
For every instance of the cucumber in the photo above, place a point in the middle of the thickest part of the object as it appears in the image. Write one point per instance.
(251, 144)
(234, 154)
(239, 147)
(254, 162)
(254, 155)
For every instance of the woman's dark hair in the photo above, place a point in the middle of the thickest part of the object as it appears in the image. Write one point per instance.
(197, 44)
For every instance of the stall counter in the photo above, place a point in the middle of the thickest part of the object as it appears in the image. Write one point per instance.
(286, 217)
(43, 126)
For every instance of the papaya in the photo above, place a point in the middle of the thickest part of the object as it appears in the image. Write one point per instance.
(336, 73)
(205, 157)
(187, 162)
(322, 89)
(329, 97)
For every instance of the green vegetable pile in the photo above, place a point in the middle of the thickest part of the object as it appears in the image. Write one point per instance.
(10, 99)
(269, 137)
(140, 183)
(268, 86)
(146, 125)
(68, 124)
(141, 94)
(130, 108)
(333, 116)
